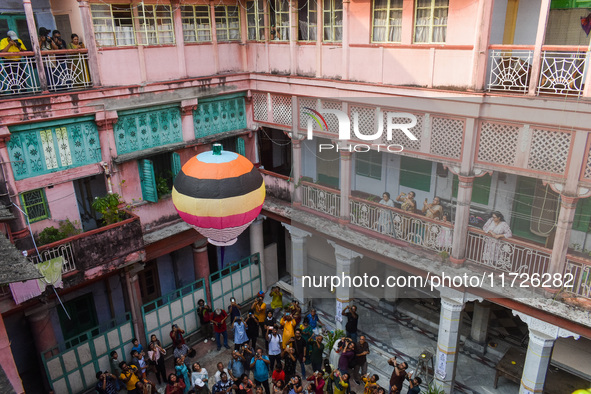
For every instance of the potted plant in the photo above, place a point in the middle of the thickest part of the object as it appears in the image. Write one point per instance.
(444, 256)
(332, 337)
(109, 207)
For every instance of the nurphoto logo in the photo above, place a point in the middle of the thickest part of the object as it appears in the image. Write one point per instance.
(345, 130)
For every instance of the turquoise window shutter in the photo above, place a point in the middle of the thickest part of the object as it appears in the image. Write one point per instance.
(175, 159)
(240, 149)
(148, 180)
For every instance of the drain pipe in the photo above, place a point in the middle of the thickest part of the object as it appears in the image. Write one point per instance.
(107, 171)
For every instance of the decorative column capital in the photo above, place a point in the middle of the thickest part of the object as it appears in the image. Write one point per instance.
(342, 253)
(542, 331)
(345, 155)
(188, 106)
(453, 300)
(568, 201)
(297, 234)
(106, 119)
(200, 245)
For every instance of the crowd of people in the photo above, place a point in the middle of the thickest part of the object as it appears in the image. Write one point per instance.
(291, 340)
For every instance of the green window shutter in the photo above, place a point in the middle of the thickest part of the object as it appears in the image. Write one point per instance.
(240, 148)
(480, 189)
(148, 180)
(415, 173)
(582, 215)
(175, 159)
(369, 164)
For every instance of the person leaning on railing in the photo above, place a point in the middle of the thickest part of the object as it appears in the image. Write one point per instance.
(12, 64)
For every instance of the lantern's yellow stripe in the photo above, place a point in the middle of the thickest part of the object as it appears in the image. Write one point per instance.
(219, 207)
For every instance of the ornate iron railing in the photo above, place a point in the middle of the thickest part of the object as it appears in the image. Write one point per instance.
(63, 250)
(321, 199)
(66, 70)
(18, 74)
(510, 70)
(396, 223)
(562, 73)
(506, 255)
(581, 277)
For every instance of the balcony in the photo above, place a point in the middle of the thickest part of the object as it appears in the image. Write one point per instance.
(95, 252)
(562, 70)
(65, 70)
(278, 186)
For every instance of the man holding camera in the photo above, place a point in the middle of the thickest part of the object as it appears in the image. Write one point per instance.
(11, 43)
(12, 64)
(398, 375)
(106, 383)
(260, 365)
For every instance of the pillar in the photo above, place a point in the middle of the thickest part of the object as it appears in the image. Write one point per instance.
(42, 329)
(319, 37)
(105, 122)
(187, 124)
(7, 360)
(479, 329)
(214, 37)
(179, 39)
(135, 302)
(345, 42)
(201, 265)
(243, 38)
(566, 216)
(293, 37)
(345, 259)
(299, 260)
(460, 235)
(537, 56)
(448, 339)
(35, 42)
(536, 364)
(345, 185)
(89, 42)
(257, 245)
(296, 159)
(482, 38)
(391, 293)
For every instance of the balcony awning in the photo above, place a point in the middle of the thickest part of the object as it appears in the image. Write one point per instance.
(14, 267)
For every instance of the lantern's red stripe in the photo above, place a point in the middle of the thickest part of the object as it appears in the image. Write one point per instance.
(221, 222)
(200, 170)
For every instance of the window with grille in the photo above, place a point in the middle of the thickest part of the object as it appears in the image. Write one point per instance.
(415, 173)
(431, 20)
(113, 24)
(196, 23)
(123, 25)
(307, 20)
(35, 205)
(157, 175)
(333, 20)
(279, 20)
(227, 23)
(255, 17)
(387, 21)
(369, 164)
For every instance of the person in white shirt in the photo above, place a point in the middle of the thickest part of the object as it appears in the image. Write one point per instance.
(275, 340)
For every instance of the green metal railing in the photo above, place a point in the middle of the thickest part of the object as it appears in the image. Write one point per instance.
(74, 370)
(178, 307)
(241, 280)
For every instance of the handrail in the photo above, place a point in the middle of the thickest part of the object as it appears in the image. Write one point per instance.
(517, 47)
(403, 212)
(276, 175)
(476, 230)
(52, 52)
(325, 188)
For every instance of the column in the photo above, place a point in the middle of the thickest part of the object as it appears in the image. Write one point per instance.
(537, 56)
(214, 37)
(460, 235)
(319, 37)
(299, 260)
(293, 37)
(243, 38)
(105, 121)
(257, 245)
(391, 293)
(566, 216)
(448, 338)
(345, 43)
(296, 159)
(42, 329)
(188, 127)
(201, 265)
(179, 38)
(345, 186)
(35, 42)
(345, 258)
(7, 360)
(536, 364)
(482, 38)
(89, 42)
(479, 329)
(135, 302)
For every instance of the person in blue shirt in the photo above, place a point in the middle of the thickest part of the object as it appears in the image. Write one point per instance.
(240, 336)
(314, 321)
(236, 365)
(260, 365)
(137, 345)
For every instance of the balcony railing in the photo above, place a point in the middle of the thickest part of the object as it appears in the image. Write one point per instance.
(506, 255)
(562, 73)
(321, 199)
(510, 70)
(581, 276)
(61, 250)
(277, 185)
(67, 69)
(18, 74)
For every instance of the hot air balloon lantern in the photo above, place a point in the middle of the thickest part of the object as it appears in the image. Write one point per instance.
(219, 193)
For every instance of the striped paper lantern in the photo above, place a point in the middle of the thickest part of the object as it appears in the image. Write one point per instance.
(219, 193)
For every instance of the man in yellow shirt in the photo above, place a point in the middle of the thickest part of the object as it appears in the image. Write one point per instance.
(260, 311)
(129, 376)
(11, 43)
(15, 70)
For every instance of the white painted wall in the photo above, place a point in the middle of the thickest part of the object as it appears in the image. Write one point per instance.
(527, 22)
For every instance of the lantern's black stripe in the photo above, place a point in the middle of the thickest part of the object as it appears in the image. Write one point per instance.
(218, 188)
